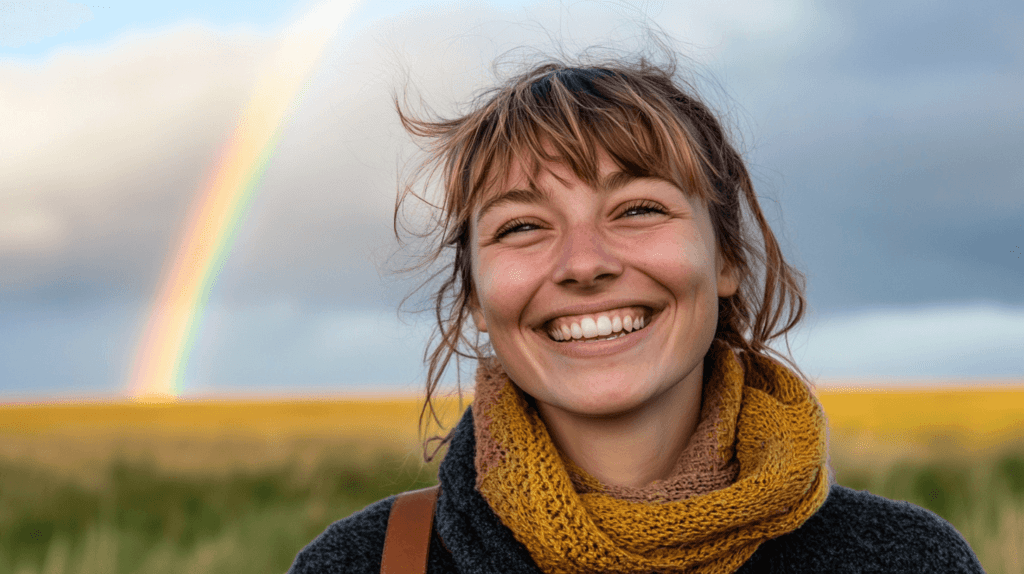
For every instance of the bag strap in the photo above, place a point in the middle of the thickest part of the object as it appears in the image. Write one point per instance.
(407, 541)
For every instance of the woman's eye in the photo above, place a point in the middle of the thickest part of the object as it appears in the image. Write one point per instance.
(516, 226)
(643, 208)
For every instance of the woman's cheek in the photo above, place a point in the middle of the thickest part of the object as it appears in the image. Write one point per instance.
(506, 284)
(673, 261)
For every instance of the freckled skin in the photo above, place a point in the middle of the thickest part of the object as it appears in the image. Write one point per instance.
(624, 414)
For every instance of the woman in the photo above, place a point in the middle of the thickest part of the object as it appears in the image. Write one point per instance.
(628, 415)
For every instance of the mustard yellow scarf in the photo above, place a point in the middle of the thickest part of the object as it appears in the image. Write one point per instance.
(754, 469)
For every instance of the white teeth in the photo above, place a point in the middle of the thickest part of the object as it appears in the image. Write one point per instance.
(604, 327)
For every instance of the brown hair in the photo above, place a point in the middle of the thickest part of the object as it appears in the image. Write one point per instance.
(651, 124)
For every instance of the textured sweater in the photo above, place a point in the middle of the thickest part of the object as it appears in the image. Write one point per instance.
(853, 531)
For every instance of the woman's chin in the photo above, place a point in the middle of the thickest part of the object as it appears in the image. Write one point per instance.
(604, 396)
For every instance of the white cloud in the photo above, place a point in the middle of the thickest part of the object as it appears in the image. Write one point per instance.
(102, 149)
(933, 342)
(28, 21)
(30, 232)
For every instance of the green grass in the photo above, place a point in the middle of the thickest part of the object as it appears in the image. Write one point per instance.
(983, 499)
(144, 521)
(141, 520)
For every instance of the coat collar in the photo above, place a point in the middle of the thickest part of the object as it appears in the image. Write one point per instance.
(479, 542)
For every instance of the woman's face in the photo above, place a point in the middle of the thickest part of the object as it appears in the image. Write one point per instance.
(596, 301)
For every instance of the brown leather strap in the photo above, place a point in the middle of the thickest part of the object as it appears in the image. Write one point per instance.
(409, 526)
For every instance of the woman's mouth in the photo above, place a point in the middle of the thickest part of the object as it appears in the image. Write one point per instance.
(603, 326)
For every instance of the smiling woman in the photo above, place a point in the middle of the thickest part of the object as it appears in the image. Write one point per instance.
(628, 414)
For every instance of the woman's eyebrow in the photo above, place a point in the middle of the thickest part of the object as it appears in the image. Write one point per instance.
(514, 195)
(610, 182)
(616, 180)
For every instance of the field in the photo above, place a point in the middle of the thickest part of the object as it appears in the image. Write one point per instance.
(212, 487)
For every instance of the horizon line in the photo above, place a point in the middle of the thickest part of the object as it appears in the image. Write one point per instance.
(843, 384)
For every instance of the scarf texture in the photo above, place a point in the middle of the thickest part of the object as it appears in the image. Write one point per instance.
(754, 469)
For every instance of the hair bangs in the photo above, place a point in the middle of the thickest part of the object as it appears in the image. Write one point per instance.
(571, 117)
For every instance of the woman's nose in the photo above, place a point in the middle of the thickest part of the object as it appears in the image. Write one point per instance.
(586, 258)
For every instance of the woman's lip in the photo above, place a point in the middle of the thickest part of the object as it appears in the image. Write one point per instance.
(579, 348)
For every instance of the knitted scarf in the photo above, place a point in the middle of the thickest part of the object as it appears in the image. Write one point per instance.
(754, 469)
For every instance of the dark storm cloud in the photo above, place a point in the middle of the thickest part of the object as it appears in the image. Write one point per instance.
(901, 179)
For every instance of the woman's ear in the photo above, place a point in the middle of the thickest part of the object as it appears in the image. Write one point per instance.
(478, 316)
(728, 278)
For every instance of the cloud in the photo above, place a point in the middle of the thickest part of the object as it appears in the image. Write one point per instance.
(291, 347)
(30, 232)
(29, 21)
(950, 341)
(104, 148)
(896, 161)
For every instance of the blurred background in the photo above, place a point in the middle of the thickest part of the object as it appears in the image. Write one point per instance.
(885, 139)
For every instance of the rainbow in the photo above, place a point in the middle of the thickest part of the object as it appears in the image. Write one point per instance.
(220, 206)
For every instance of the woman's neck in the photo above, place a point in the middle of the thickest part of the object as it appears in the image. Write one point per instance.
(632, 449)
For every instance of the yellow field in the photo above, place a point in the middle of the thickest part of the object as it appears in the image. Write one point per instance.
(981, 415)
(206, 435)
(883, 427)
(383, 418)
(210, 437)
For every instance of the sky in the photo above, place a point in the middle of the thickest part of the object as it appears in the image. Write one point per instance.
(885, 140)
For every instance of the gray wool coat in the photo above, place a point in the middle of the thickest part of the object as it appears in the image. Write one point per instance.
(853, 531)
